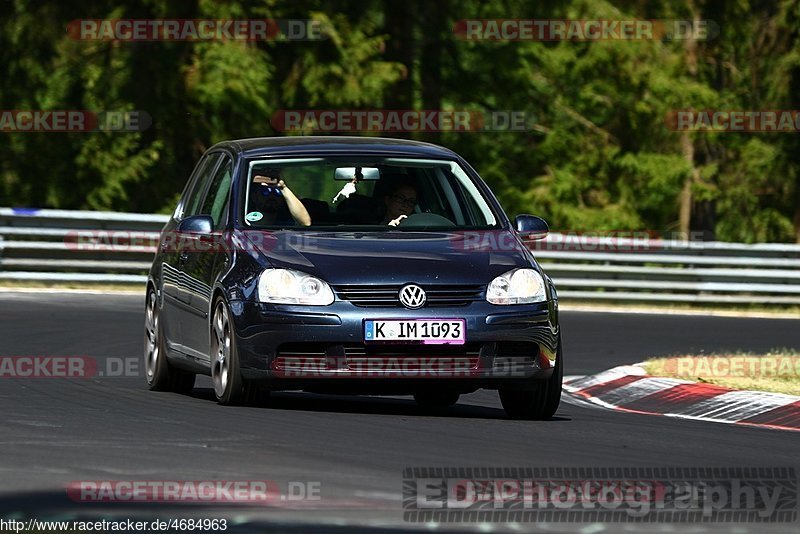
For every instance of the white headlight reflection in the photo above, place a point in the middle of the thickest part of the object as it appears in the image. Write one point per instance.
(286, 286)
(518, 286)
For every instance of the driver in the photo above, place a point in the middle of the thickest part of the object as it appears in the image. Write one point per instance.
(400, 202)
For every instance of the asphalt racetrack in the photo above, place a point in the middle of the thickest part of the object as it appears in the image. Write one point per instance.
(352, 449)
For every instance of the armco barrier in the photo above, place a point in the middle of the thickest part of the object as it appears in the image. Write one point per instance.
(34, 246)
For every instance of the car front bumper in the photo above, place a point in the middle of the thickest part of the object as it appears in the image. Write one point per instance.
(303, 347)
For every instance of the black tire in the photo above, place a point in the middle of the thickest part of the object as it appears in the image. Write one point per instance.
(161, 376)
(436, 400)
(538, 403)
(181, 381)
(155, 351)
(229, 386)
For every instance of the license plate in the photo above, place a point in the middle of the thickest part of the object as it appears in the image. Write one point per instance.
(427, 331)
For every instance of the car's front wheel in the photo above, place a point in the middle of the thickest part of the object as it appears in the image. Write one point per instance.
(229, 387)
(161, 376)
(540, 402)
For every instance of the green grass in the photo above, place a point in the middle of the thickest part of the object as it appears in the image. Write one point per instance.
(777, 309)
(777, 371)
(33, 284)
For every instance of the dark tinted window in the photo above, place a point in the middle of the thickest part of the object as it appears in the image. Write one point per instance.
(401, 192)
(205, 173)
(217, 198)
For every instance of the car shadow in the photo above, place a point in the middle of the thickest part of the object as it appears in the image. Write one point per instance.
(365, 405)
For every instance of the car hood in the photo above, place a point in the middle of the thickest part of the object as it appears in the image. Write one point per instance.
(396, 257)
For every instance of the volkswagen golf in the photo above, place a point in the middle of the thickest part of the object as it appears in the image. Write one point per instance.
(350, 265)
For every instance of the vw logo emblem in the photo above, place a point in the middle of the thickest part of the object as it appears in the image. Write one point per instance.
(412, 296)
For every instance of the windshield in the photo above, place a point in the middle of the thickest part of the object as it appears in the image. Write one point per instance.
(372, 194)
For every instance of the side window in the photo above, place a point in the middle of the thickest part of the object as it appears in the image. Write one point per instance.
(217, 198)
(191, 206)
(191, 185)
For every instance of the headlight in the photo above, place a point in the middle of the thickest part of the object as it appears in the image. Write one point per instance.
(520, 286)
(285, 286)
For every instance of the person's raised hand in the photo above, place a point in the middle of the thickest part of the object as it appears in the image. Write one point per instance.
(395, 222)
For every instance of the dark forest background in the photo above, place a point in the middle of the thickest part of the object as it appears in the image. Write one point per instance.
(599, 156)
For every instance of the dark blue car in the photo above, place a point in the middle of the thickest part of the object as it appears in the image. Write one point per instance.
(350, 265)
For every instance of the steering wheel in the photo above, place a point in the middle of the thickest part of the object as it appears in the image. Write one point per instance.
(426, 219)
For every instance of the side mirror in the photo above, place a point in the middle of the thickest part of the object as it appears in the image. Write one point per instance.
(196, 224)
(533, 227)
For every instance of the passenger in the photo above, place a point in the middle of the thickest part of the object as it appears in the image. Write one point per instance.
(269, 192)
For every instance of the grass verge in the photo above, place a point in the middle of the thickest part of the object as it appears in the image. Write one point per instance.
(36, 285)
(680, 307)
(777, 371)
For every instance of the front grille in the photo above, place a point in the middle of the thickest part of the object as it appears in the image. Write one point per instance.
(311, 357)
(412, 357)
(357, 350)
(297, 362)
(305, 350)
(438, 296)
(517, 349)
(296, 356)
(412, 363)
(516, 354)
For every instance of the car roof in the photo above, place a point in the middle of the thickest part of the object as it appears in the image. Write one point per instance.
(332, 145)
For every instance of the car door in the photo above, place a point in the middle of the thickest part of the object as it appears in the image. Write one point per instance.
(175, 300)
(200, 268)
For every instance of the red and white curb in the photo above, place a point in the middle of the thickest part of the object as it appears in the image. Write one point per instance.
(628, 388)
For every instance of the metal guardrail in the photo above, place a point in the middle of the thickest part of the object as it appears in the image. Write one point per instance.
(39, 245)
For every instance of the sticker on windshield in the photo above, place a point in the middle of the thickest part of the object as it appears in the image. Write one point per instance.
(254, 216)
